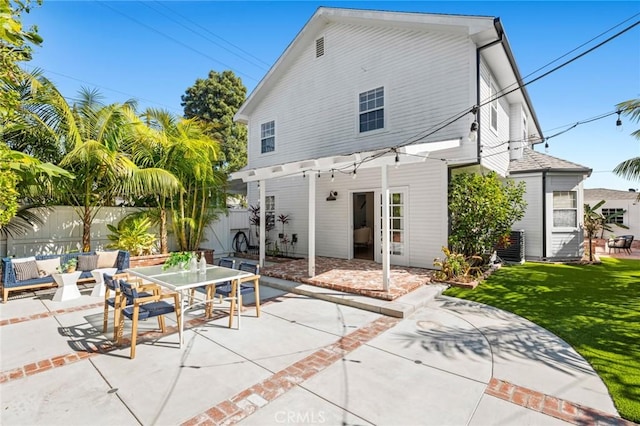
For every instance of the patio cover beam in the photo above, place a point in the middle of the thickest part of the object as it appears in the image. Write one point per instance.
(386, 261)
(312, 225)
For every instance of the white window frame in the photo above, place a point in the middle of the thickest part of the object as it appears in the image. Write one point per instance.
(367, 111)
(264, 137)
(565, 208)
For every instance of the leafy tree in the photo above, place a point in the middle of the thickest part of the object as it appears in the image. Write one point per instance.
(215, 101)
(630, 169)
(25, 183)
(482, 210)
(15, 47)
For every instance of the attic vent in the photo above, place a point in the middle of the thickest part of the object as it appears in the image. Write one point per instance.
(319, 47)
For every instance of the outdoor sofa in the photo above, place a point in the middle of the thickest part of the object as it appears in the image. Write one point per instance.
(47, 264)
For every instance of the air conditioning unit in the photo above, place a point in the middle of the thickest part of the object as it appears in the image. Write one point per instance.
(514, 253)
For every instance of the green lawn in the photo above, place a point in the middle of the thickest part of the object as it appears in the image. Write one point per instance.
(594, 308)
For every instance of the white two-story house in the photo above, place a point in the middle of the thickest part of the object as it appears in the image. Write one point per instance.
(356, 129)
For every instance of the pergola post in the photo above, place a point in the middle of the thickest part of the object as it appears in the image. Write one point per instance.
(312, 224)
(386, 261)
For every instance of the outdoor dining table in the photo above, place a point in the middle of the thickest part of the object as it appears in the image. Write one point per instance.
(183, 281)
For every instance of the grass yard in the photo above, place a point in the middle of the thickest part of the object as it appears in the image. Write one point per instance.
(594, 308)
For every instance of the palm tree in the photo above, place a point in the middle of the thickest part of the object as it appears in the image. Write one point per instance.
(182, 147)
(630, 169)
(92, 135)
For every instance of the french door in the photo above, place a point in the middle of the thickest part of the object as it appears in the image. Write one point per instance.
(398, 226)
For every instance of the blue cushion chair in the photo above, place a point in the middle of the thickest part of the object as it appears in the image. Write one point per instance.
(112, 284)
(135, 307)
(207, 290)
(247, 285)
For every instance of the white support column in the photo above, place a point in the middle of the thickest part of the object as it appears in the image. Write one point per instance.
(312, 224)
(386, 258)
(263, 222)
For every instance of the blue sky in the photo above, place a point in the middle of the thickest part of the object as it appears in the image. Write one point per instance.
(153, 51)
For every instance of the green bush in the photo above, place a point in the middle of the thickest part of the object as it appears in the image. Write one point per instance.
(132, 235)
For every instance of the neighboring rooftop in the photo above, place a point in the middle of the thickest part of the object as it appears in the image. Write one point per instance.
(532, 161)
(609, 194)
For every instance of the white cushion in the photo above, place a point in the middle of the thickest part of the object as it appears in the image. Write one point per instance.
(48, 266)
(23, 259)
(107, 259)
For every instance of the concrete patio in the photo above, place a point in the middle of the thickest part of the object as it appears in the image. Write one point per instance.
(304, 361)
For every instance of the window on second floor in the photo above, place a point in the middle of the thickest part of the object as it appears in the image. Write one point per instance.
(524, 128)
(268, 137)
(614, 216)
(565, 209)
(494, 105)
(371, 110)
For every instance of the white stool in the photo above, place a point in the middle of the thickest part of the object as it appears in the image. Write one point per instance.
(67, 288)
(98, 289)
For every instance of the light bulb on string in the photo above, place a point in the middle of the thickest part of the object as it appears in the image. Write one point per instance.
(332, 177)
(619, 123)
(397, 160)
(546, 146)
(354, 171)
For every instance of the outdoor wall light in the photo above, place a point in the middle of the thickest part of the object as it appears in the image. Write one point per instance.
(332, 196)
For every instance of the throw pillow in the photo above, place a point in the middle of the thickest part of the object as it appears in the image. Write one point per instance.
(107, 259)
(25, 270)
(87, 262)
(48, 266)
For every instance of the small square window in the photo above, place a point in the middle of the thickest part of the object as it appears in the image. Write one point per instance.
(268, 137)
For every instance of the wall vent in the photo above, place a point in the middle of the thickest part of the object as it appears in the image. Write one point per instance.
(319, 47)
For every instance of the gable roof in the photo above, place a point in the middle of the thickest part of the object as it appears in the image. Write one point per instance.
(483, 30)
(609, 194)
(533, 161)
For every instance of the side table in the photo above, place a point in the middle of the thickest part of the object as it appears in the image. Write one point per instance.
(98, 275)
(67, 286)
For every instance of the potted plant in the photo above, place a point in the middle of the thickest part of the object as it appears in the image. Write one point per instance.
(68, 267)
(180, 259)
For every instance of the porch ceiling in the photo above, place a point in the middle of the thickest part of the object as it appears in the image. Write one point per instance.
(367, 159)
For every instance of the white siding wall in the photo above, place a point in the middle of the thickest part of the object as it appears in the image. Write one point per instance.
(495, 155)
(532, 220)
(565, 243)
(631, 217)
(426, 183)
(315, 104)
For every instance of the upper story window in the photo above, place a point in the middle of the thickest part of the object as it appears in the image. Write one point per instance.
(524, 128)
(565, 209)
(372, 110)
(614, 216)
(494, 105)
(268, 137)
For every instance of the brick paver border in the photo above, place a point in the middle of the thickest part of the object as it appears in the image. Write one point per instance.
(551, 406)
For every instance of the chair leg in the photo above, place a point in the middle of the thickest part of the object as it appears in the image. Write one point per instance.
(134, 331)
(161, 323)
(233, 303)
(119, 332)
(256, 287)
(105, 318)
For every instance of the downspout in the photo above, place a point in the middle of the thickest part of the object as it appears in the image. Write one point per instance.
(500, 31)
(544, 214)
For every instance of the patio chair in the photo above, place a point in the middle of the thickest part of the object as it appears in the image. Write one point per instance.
(135, 307)
(247, 285)
(206, 290)
(622, 242)
(112, 283)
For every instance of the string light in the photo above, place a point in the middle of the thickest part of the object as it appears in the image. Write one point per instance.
(304, 174)
(332, 177)
(619, 122)
(397, 159)
(355, 169)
